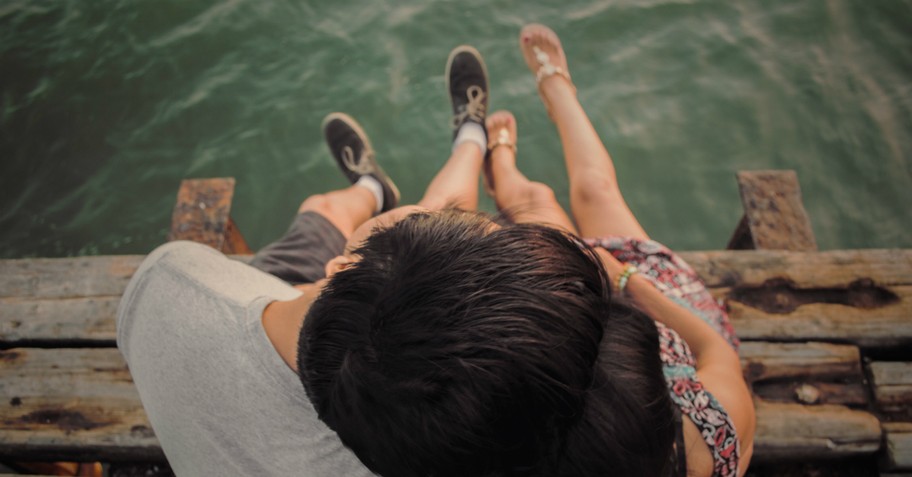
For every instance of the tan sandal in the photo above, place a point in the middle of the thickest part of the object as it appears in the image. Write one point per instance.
(540, 62)
(503, 138)
(546, 69)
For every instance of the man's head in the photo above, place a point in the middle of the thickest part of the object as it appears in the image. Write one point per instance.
(455, 347)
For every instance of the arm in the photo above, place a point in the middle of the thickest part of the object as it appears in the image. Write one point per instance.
(718, 366)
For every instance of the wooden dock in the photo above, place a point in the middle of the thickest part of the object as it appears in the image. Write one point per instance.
(827, 340)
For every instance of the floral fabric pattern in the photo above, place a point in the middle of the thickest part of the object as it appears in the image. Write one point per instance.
(675, 279)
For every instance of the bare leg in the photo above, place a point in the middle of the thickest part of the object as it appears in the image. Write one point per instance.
(456, 185)
(525, 201)
(595, 198)
(346, 209)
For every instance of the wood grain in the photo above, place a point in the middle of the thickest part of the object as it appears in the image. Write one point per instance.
(801, 433)
(729, 268)
(886, 326)
(892, 382)
(774, 215)
(84, 321)
(898, 449)
(72, 404)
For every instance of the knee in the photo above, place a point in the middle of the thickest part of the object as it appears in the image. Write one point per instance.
(593, 189)
(537, 193)
(317, 203)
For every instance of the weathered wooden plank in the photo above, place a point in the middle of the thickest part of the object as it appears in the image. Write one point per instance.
(797, 432)
(886, 326)
(774, 216)
(79, 277)
(813, 391)
(108, 275)
(71, 404)
(81, 404)
(105, 277)
(202, 215)
(765, 361)
(72, 320)
(727, 268)
(898, 449)
(892, 386)
(67, 277)
(809, 373)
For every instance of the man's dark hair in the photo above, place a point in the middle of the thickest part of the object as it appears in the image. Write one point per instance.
(457, 348)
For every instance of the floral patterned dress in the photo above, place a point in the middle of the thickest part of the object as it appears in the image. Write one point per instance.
(675, 279)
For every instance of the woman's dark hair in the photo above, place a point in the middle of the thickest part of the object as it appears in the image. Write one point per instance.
(457, 348)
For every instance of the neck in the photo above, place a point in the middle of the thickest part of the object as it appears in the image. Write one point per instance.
(282, 321)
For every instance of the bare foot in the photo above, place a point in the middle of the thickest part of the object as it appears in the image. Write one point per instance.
(541, 48)
(502, 144)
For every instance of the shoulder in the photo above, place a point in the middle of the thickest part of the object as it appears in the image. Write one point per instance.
(181, 279)
(185, 265)
(166, 264)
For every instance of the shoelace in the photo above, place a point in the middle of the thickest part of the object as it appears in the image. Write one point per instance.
(474, 109)
(358, 166)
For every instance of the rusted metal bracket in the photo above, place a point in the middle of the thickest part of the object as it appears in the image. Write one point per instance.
(202, 214)
(774, 216)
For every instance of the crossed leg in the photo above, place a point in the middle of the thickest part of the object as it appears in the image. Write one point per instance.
(346, 208)
(456, 184)
(524, 201)
(595, 198)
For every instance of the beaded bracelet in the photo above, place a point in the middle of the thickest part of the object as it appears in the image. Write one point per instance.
(624, 277)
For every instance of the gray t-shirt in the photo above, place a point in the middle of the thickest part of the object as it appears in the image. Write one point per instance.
(220, 398)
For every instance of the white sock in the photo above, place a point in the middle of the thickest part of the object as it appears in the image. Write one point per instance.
(471, 132)
(374, 186)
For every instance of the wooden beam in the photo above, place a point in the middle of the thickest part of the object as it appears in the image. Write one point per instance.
(79, 277)
(74, 321)
(80, 404)
(898, 449)
(892, 383)
(800, 433)
(836, 268)
(882, 327)
(67, 277)
(774, 216)
(768, 361)
(201, 215)
(108, 275)
(72, 404)
(808, 373)
(73, 299)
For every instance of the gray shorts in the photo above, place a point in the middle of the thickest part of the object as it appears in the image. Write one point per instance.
(301, 254)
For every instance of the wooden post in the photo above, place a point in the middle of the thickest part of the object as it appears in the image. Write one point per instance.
(201, 214)
(774, 216)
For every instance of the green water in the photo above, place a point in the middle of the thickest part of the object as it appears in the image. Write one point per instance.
(108, 104)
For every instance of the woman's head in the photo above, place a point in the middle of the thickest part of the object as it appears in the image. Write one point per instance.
(452, 346)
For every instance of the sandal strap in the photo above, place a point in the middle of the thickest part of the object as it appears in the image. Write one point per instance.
(547, 69)
(503, 139)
